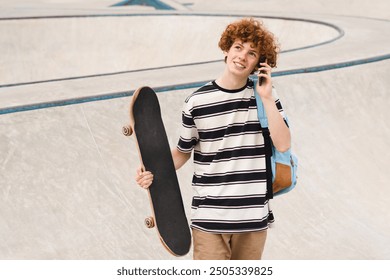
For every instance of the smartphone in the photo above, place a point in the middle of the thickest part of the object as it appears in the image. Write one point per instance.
(261, 60)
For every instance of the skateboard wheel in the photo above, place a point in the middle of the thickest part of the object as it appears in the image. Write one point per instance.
(149, 222)
(127, 130)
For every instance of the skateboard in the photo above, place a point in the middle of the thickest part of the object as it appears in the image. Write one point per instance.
(168, 214)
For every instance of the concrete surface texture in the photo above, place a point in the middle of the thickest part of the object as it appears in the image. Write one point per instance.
(68, 69)
(69, 47)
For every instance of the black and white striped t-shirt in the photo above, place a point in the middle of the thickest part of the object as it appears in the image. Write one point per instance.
(229, 179)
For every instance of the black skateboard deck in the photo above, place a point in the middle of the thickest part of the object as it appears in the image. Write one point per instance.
(155, 154)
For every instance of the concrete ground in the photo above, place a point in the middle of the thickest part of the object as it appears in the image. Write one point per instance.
(69, 68)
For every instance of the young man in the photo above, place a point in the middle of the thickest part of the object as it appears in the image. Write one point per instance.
(230, 212)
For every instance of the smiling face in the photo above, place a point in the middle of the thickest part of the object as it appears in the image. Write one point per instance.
(241, 59)
(253, 31)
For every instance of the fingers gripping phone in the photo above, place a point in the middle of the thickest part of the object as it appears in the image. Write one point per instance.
(262, 59)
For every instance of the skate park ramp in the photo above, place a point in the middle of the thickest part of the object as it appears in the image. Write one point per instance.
(68, 70)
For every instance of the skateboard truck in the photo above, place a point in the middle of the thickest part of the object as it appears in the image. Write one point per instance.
(128, 131)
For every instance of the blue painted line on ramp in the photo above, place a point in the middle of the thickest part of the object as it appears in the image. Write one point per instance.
(197, 84)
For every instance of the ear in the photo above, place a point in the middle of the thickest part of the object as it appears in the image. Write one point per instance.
(225, 53)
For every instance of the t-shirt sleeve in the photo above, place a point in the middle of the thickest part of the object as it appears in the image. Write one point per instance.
(279, 105)
(189, 136)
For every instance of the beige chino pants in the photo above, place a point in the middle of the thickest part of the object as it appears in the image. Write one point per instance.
(241, 246)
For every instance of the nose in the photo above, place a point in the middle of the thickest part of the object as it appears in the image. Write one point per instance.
(242, 56)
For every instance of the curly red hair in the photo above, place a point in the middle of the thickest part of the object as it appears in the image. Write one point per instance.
(254, 31)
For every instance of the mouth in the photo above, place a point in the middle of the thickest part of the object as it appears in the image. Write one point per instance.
(239, 65)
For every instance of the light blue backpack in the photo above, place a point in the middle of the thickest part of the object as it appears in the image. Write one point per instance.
(283, 165)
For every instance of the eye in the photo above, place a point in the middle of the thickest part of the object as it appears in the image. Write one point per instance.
(253, 54)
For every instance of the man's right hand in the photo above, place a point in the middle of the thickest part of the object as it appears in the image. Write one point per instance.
(144, 178)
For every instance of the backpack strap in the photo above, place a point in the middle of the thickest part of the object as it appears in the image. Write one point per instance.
(260, 110)
(267, 141)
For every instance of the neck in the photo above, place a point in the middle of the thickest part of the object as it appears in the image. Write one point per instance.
(231, 82)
